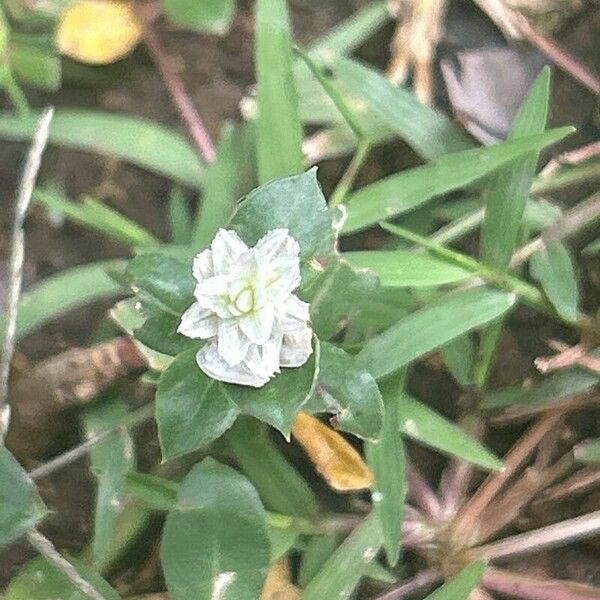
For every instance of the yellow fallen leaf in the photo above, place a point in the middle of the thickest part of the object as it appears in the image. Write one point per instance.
(98, 32)
(278, 585)
(335, 459)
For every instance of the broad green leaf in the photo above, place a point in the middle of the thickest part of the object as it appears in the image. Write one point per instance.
(156, 492)
(588, 451)
(111, 460)
(279, 401)
(430, 327)
(278, 127)
(342, 572)
(220, 189)
(20, 505)
(132, 139)
(331, 310)
(208, 16)
(550, 390)
(553, 267)
(215, 542)
(349, 393)
(506, 196)
(405, 191)
(161, 282)
(294, 203)
(98, 216)
(280, 486)
(427, 131)
(69, 289)
(388, 463)
(192, 409)
(423, 424)
(159, 333)
(404, 268)
(41, 580)
(461, 586)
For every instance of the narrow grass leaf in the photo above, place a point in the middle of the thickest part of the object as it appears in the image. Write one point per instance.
(388, 463)
(343, 571)
(553, 267)
(280, 486)
(404, 268)
(132, 139)
(424, 425)
(459, 356)
(461, 586)
(21, 508)
(407, 190)
(180, 218)
(220, 189)
(60, 293)
(506, 196)
(209, 16)
(278, 127)
(215, 542)
(317, 550)
(430, 327)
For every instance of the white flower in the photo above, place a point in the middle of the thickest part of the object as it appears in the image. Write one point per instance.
(246, 309)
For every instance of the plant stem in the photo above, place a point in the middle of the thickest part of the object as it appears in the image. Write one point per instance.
(131, 420)
(15, 93)
(422, 494)
(46, 548)
(17, 256)
(345, 183)
(178, 93)
(552, 536)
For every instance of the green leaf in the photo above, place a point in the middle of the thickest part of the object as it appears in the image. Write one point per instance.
(405, 191)
(588, 451)
(280, 486)
(35, 63)
(553, 267)
(215, 542)
(180, 219)
(41, 580)
(550, 390)
(192, 409)
(111, 460)
(388, 463)
(220, 189)
(427, 131)
(98, 216)
(157, 492)
(159, 332)
(461, 586)
(161, 282)
(317, 550)
(459, 356)
(20, 505)
(405, 268)
(506, 197)
(340, 575)
(349, 393)
(63, 292)
(331, 310)
(279, 401)
(423, 424)
(139, 141)
(278, 127)
(295, 203)
(430, 327)
(208, 16)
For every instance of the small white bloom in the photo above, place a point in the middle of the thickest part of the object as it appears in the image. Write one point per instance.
(246, 309)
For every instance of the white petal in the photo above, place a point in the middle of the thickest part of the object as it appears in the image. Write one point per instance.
(232, 343)
(263, 361)
(212, 294)
(210, 362)
(258, 325)
(293, 314)
(202, 266)
(277, 242)
(198, 322)
(278, 255)
(296, 348)
(226, 249)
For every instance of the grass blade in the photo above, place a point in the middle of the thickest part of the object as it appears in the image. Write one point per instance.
(461, 586)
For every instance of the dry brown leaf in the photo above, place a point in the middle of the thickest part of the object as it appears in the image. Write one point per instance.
(98, 32)
(335, 459)
(278, 585)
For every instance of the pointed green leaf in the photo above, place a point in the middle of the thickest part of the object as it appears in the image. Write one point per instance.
(430, 327)
(461, 586)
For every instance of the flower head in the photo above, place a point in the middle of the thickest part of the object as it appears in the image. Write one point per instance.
(246, 309)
